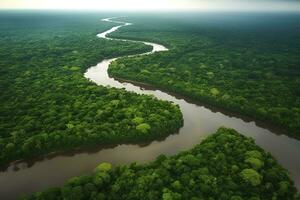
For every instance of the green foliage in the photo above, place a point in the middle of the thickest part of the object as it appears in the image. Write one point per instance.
(236, 198)
(103, 167)
(223, 60)
(138, 120)
(251, 176)
(253, 154)
(202, 173)
(143, 128)
(256, 163)
(74, 68)
(176, 185)
(46, 103)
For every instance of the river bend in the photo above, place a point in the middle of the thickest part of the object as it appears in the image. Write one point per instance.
(199, 121)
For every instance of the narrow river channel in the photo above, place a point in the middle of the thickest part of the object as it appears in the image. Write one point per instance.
(199, 121)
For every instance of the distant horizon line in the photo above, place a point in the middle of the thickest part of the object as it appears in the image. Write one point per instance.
(150, 10)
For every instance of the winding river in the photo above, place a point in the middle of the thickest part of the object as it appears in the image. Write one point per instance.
(199, 121)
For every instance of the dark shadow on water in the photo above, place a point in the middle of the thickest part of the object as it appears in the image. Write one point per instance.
(28, 163)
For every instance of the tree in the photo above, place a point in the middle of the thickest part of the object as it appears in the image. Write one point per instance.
(254, 162)
(143, 128)
(103, 167)
(138, 120)
(251, 176)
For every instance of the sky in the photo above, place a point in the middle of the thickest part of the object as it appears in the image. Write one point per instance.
(238, 5)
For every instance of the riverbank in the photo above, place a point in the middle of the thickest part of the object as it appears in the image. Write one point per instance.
(199, 122)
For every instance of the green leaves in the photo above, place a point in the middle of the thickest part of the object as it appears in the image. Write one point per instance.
(44, 91)
(214, 91)
(253, 154)
(194, 174)
(255, 163)
(254, 158)
(232, 69)
(251, 176)
(138, 120)
(143, 128)
(103, 167)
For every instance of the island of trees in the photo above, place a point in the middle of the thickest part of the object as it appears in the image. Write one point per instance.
(226, 166)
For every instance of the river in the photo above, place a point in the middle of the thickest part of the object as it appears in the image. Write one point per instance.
(199, 121)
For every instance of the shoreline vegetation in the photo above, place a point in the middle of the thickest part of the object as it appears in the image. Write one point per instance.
(54, 107)
(225, 165)
(212, 69)
(47, 105)
(264, 124)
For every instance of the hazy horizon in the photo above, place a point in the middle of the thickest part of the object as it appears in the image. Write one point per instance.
(154, 5)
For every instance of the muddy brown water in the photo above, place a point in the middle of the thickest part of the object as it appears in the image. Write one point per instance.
(53, 170)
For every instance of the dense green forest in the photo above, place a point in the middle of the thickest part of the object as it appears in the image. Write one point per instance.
(47, 104)
(246, 63)
(226, 166)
